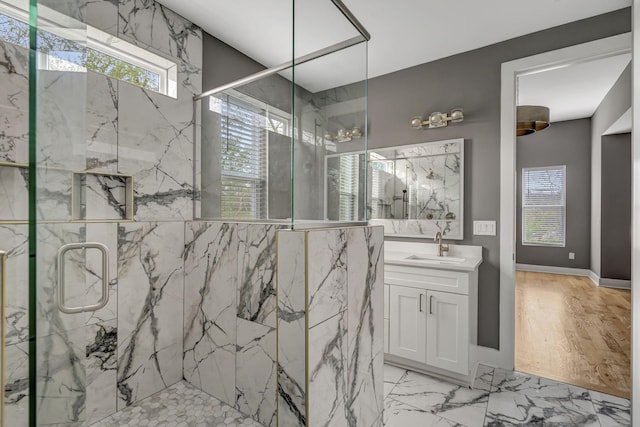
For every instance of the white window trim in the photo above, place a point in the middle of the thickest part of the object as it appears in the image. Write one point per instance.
(564, 206)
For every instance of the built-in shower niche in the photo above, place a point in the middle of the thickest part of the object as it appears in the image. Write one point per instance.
(102, 197)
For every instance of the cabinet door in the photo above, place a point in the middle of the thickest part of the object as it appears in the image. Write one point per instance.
(407, 323)
(448, 331)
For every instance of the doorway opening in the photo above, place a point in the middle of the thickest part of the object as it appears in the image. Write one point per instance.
(573, 220)
(514, 73)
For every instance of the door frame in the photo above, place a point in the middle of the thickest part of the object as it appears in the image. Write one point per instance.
(510, 71)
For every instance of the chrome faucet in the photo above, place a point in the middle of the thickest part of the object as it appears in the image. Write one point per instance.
(441, 248)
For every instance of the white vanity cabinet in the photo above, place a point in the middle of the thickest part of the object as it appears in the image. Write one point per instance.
(448, 331)
(407, 323)
(431, 310)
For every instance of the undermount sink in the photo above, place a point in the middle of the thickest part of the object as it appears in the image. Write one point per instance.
(436, 259)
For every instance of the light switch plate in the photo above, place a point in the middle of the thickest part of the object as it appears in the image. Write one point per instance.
(484, 228)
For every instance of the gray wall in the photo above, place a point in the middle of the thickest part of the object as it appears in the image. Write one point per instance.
(563, 143)
(614, 104)
(472, 80)
(616, 207)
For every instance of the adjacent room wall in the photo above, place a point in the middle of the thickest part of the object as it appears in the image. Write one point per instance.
(616, 207)
(472, 80)
(563, 143)
(614, 104)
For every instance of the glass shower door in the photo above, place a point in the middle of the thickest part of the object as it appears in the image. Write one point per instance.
(69, 268)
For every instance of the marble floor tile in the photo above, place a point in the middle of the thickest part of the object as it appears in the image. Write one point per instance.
(611, 410)
(179, 405)
(392, 375)
(517, 399)
(398, 414)
(453, 402)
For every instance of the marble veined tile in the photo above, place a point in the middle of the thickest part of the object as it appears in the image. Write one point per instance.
(107, 234)
(16, 399)
(429, 228)
(101, 118)
(453, 402)
(518, 398)
(62, 105)
(100, 197)
(14, 103)
(398, 414)
(14, 182)
(611, 410)
(61, 382)
(257, 273)
(157, 151)
(327, 356)
(291, 328)
(54, 193)
(150, 306)
(74, 9)
(101, 370)
(256, 372)
(327, 274)
(15, 241)
(392, 375)
(484, 378)
(211, 271)
(149, 23)
(103, 14)
(365, 320)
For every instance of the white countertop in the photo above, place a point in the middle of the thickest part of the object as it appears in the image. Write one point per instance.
(460, 257)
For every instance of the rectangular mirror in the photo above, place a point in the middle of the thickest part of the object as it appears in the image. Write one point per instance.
(415, 190)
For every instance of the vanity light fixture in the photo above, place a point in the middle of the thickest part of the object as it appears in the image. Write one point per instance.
(344, 135)
(438, 119)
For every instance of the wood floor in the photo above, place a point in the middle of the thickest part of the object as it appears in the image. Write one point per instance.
(570, 330)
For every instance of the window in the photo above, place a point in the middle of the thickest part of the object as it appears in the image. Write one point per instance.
(348, 187)
(245, 124)
(544, 206)
(59, 50)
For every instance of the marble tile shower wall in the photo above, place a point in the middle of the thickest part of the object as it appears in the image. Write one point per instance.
(342, 270)
(230, 314)
(94, 364)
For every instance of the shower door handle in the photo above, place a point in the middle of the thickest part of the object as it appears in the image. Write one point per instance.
(104, 298)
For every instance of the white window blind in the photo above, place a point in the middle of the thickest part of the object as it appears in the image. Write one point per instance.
(349, 183)
(243, 162)
(544, 206)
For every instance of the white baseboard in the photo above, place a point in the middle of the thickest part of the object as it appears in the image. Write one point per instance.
(488, 356)
(615, 283)
(594, 278)
(599, 281)
(554, 270)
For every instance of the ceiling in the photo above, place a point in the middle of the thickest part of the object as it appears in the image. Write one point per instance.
(575, 91)
(404, 33)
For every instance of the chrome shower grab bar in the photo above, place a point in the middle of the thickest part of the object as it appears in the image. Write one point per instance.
(104, 298)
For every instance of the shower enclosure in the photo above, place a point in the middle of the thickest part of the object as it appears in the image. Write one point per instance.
(272, 131)
(133, 198)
